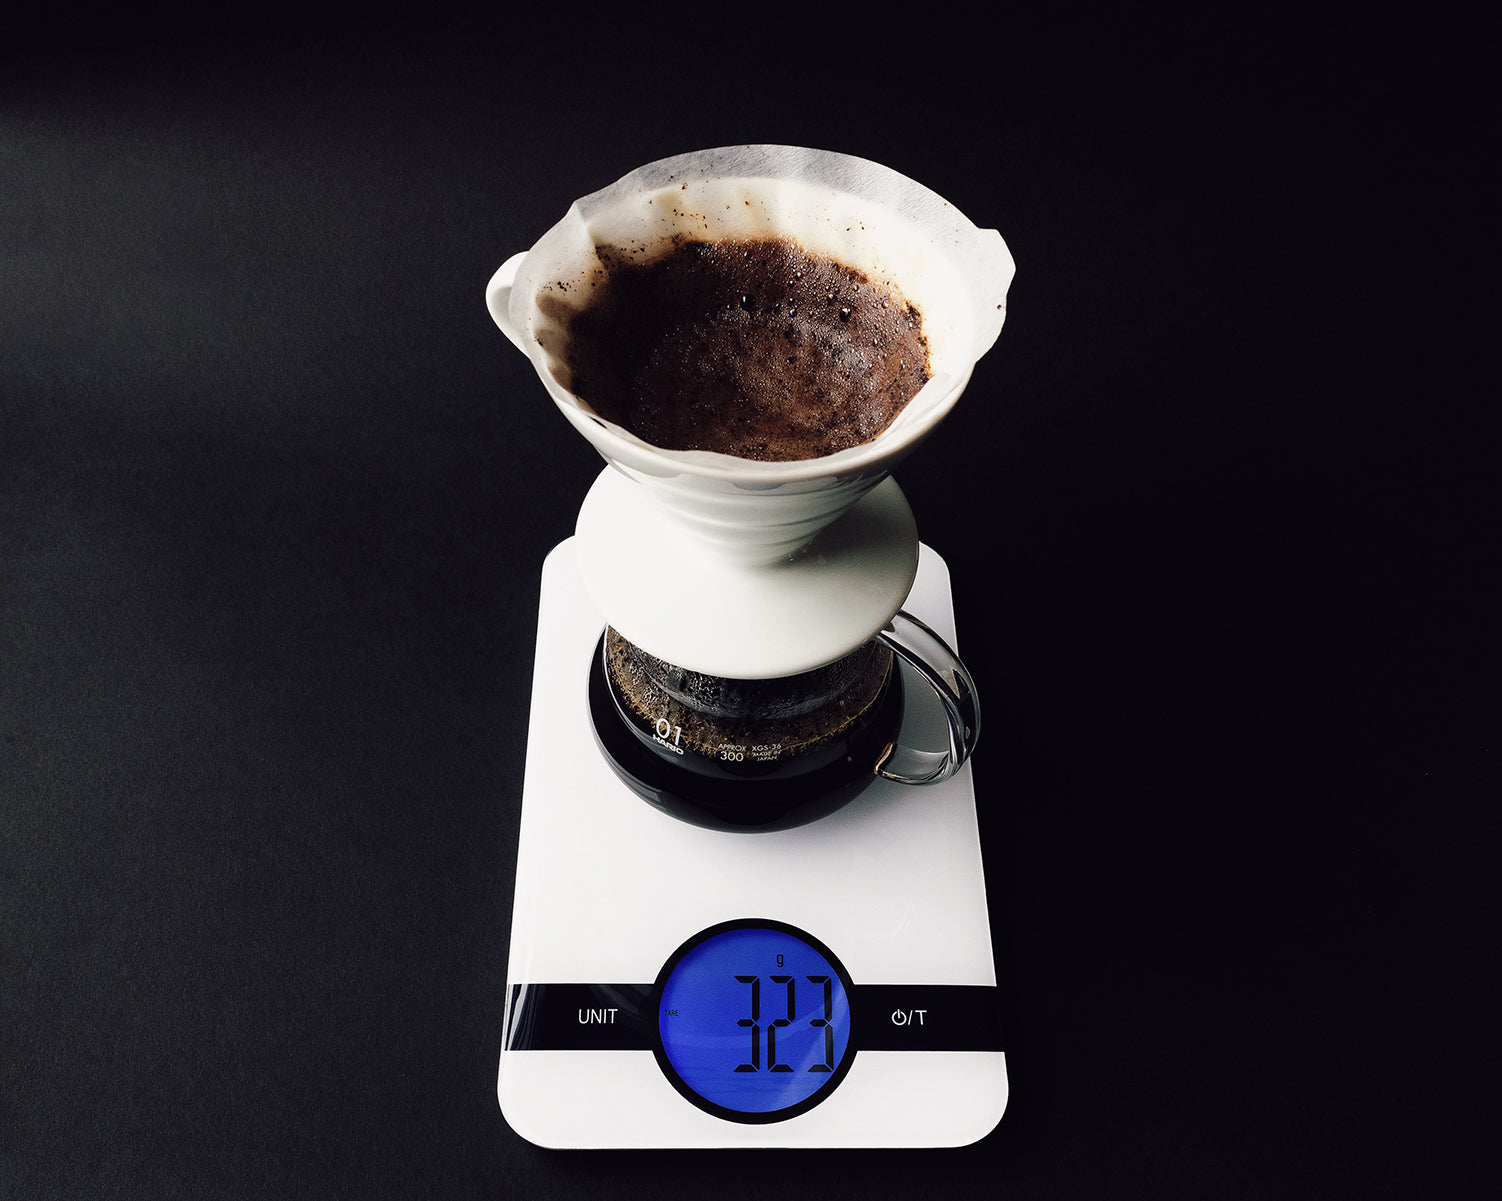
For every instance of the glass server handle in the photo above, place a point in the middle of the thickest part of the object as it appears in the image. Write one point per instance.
(940, 667)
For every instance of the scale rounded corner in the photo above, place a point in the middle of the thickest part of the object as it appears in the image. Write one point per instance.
(515, 1112)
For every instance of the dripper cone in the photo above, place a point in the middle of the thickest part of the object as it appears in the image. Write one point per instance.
(866, 216)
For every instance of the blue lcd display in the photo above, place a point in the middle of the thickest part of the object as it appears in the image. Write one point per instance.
(754, 1021)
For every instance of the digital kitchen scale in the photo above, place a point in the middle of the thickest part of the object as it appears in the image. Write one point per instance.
(668, 986)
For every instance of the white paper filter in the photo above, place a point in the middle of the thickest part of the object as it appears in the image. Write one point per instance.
(860, 213)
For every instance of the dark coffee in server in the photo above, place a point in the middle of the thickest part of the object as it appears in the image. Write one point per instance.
(744, 754)
(756, 348)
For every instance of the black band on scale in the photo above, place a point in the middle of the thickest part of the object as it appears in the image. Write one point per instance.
(884, 1017)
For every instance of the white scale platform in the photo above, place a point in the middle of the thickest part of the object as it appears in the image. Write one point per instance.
(608, 889)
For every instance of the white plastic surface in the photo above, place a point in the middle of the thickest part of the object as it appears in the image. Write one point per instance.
(608, 887)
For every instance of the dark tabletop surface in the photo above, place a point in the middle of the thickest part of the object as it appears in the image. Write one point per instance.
(275, 495)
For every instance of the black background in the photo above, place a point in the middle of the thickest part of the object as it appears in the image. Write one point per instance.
(275, 494)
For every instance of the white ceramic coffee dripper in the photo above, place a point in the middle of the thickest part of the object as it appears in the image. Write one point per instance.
(724, 565)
